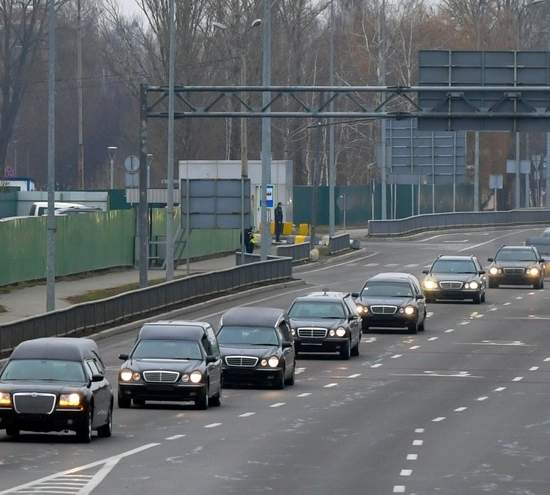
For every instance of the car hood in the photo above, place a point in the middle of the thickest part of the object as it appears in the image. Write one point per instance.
(462, 277)
(254, 351)
(389, 301)
(317, 323)
(515, 264)
(163, 365)
(42, 387)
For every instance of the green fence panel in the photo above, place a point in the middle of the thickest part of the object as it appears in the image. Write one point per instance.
(8, 204)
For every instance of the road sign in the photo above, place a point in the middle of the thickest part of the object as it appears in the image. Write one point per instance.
(9, 172)
(131, 164)
(269, 196)
(496, 181)
(524, 166)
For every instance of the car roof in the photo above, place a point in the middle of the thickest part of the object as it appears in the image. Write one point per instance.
(173, 330)
(324, 296)
(392, 277)
(516, 247)
(62, 348)
(253, 316)
(455, 257)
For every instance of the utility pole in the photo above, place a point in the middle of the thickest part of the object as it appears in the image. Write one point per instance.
(79, 94)
(170, 164)
(266, 128)
(476, 171)
(518, 173)
(382, 82)
(50, 255)
(244, 152)
(331, 136)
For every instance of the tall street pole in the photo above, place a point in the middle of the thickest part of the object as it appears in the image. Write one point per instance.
(170, 164)
(476, 171)
(382, 82)
(331, 136)
(266, 128)
(518, 173)
(244, 157)
(547, 196)
(50, 256)
(79, 95)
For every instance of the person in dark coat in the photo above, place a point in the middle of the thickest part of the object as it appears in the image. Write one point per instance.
(278, 222)
(249, 240)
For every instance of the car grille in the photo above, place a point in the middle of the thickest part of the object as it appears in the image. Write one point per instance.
(383, 310)
(317, 333)
(161, 376)
(514, 271)
(34, 403)
(244, 361)
(448, 284)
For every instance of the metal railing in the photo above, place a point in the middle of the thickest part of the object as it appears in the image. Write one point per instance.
(88, 318)
(439, 221)
(339, 243)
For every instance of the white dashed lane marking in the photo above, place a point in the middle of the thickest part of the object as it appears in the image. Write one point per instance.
(299, 371)
(399, 489)
(368, 265)
(174, 437)
(414, 347)
(482, 398)
(213, 425)
(460, 409)
(419, 430)
(391, 265)
(439, 419)
(329, 385)
(355, 375)
(418, 443)
(449, 330)
(411, 265)
(517, 379)
(533, 368)
(377, 365)
(405, 472)
(507, 304)
(499, 389)
(395, 356)
(546, 360)
(278, 404)
(246, 414)
(464, 323)
(305, 394)
(412, 457)
(431, 339)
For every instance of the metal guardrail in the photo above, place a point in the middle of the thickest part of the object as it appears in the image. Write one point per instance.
(298, 252)
(438, 221)
(87, 318)
(339, 243)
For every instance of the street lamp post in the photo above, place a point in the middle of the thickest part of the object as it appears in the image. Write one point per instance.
(111, 150)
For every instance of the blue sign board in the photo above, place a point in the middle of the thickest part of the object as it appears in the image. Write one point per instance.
(269, 196)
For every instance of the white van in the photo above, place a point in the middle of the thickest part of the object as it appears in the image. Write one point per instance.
(40, 208)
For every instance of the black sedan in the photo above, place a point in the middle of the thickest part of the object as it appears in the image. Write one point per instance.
(56, 384)
(392, 300)
(172, 361)
(517, 265)
(326, 322)
(257, 346)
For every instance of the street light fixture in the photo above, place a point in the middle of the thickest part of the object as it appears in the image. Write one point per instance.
(111, 150)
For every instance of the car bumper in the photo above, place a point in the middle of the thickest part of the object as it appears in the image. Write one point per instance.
(514, 279)
(57, 421)
(235, 374)
(334, 344)
(457, 294)
(162, 392)
(388, 321)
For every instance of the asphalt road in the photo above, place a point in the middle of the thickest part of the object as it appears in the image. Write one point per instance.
(463, 408)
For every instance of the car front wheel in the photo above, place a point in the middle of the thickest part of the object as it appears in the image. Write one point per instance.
(345, 351)
(84, 433)
(106, 430)
(203, 401)
(12, 432)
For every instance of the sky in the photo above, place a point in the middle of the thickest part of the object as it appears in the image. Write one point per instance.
(128, 7)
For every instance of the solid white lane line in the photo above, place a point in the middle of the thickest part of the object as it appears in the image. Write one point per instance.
(330, 267)
(460, 409)
(405, 472)
(439, 419)
(533, 368)
(517, 379)
(417, 443)
(377, 365)
(449, 330)
(355, 375)
(419, 430)
(305, 394)
(399, 489)
(412, 457)
(213, 425)
(330, 385)
(431, 339)
(246, 414)
(278, 404)
(395, 356)
(174, 437)
(414, 347)
(499, 389)
(482, 398)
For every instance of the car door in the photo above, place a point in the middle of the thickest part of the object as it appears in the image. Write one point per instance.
(100, 392)
(214, 369)
(480, 272)
(421, 301)
(354, 319)
(288, 354)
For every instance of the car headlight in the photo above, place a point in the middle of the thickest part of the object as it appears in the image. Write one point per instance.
(263, 362)
(410, 310)
(493, 270)
(474, 285)
(533, 271)
(5, 399)
(362, 310)
(331, 333)
(273, 361)
(196, 376)
(185, 378)
(126, 375)
(341, 332)
(430, 284)
(70, 400)
(293, 331)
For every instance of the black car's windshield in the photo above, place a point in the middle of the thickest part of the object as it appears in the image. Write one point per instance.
(316, 309)
(516, 255)
(387, 289)
(167, 349)
(44, 369)
(248, 336)
(454, 266)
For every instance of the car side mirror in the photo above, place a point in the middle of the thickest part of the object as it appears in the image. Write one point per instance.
(425, 272)
(286, 345)
(490, 260)
(419, 297)
(211, 359)
(355, 295)
(97, 378)
(123, 357)
(542, 260)
(482, 272)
